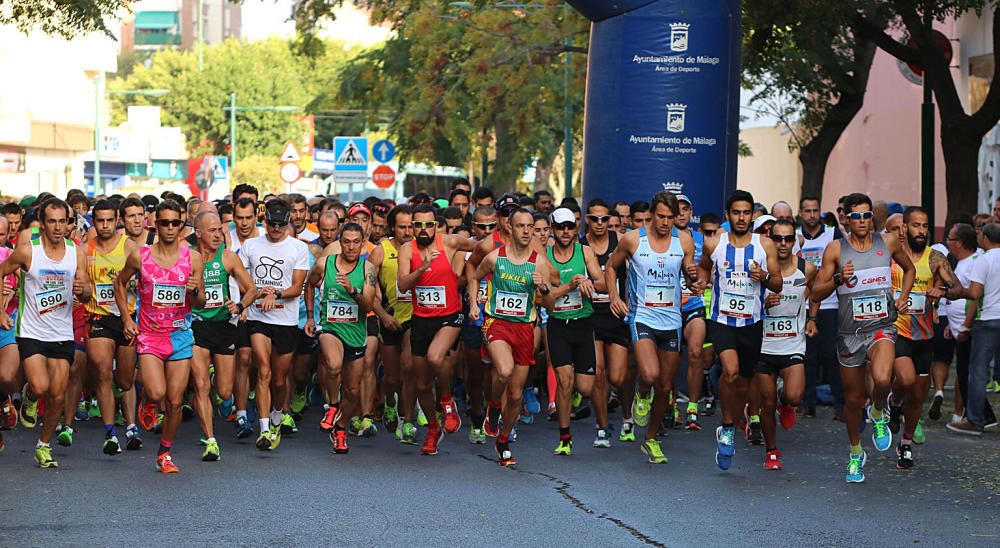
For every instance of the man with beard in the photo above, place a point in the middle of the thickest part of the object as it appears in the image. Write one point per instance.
(914, 345)
(427, 267)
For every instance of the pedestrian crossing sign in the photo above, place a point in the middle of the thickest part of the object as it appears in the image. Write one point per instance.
(351, 153)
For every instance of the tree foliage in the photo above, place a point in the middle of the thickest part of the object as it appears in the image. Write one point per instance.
(66, 18)
(260, 171)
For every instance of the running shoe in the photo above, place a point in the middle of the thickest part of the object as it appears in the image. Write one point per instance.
(964, 427)
(133, 440)
(354, 426)
(264, 441)
(288, 425)
(504, 457)
(119, 418)
(613, 401)
(756, 433)
(725, 448)
(772, 460)
(339, 440)
(492, 422)
(187, 411)
(895, 416)
(565, 448)
(226, 409)
(993, 386)
(368, 428)
(577, 399)
(93, 410)
(147, 416)
(603, 439)
(692, 422)
(29, 412)
(905, 454)
(158, 427)
(640, 409)
(211, 453)
(935, 410)
(65, 436)
(165, 464)
(244, 429)
(856, 468)
(275, 436)
(787, 416)
(525, 416)
(651, 448)
(390, 417)
(82, 413)
(918, 433)
(628, 432)
(531, 402)
(881, 434)
(43, 456)
(299, 402)
(434, 435)
(452, 420)
(408, 433)
(111, 446)
(9, 414)
(477, 436)
(421, 418)
(579, 413)
(552, 412)
(329, 420)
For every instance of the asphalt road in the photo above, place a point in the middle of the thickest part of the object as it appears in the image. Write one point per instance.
(384, 493)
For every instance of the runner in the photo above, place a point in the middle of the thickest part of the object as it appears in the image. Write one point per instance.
(55, 270)
(611, 334)
(11, 379)
(347, 285)
(859, 269)
(477, 377)
(742, 265)
(790, 317)
(109, 352)
(395, 320)
(278, 265)
(656, 260)
(518, 271)
(570, 330)
(245, 228)
(163, 336)
(914, 343)
(427, 267)
(214, 328)
(693, 319)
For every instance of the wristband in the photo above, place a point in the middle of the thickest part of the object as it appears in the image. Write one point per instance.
(838, 279)
(812, 318)
(240, 308)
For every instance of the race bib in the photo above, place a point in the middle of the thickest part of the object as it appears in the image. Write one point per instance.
(213, 296)
(873, 307)
(510, 303)
(602, 298)
(404, 297)
(483, 292)
(569, 301)
(686, 292)
(50, 299)
(659, 296)
(780, 327)
(105, 295)
(738, 283)
(813, 255)
(341, 311)
(916, 303)
(431, 296)
(168, 295)
(736, 305)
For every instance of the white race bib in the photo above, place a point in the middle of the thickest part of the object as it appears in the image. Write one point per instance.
(814, 255)
(780, 327)
(736, 305)
(404, 297)
(569, 301)
(105, 295)
(873, 307)
(431, 296)
(341, 311)
(213, 296)
(916, 304)
(659, 296)
(510, 303)
(50, 300)
(168, 295)
(483, 293)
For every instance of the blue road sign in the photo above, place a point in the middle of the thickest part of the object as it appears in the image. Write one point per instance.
(323, 160)
(351, 154)
(384, 151)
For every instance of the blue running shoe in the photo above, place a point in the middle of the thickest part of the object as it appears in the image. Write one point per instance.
(244, 428)
(881, 434)
(226, 408)
(725, 450)
(531, 402)
(526, 418)
(856, 468)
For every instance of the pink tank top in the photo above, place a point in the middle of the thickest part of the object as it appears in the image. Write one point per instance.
(164, 306)
(11, 280)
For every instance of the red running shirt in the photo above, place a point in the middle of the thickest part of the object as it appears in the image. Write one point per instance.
(436, 293)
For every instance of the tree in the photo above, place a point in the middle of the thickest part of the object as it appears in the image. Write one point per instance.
(811, 66)
(66, 18)
(261, 172)
(460, 83)
(961, 132)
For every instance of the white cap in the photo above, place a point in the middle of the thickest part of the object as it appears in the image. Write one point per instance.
(761, 220)
(562, 215)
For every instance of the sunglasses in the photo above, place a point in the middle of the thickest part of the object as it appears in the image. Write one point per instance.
(598, 218)
(71, 221)
(565, 226)
(164, 223)
(858, 215)
(709, 232)
(342, 220)
(424, 224)
(785, 239)
(277, 224)
(486, 226)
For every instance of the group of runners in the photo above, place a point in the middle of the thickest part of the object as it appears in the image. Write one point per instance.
(399, 316)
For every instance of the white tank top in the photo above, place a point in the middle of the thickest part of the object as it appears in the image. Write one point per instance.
(737, 301)
(46, 298)
(812, 251)
(785, 324)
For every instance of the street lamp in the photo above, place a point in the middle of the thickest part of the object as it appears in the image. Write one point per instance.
(98, 99)
(233, 109)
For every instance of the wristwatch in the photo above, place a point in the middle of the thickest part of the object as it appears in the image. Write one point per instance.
(838, 279)
(240, 308)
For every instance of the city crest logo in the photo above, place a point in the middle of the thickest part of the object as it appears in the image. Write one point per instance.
(673, 187)
(679, 37)
(676, 117)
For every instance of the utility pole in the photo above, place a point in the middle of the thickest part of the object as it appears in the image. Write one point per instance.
(927, 141)
(232, 132)
(201, 35)
(98, 78)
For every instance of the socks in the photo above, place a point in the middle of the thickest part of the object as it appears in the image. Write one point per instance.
(41, 444)
(939, 393)
(906, 440)
(165, 447)
(210, 440)
(109, 430)
(564, 434)
(876, 414)
(241, 413)
(265, 425)
(276, 416)
(856, 450)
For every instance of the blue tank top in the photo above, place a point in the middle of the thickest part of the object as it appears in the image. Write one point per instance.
(690, 301)
(654, 288)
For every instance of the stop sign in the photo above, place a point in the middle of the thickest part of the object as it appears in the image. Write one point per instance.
(384, 176)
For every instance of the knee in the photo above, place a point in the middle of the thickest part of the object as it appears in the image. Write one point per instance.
(39, 387)
(352, 392)
(856, 401)
(155, 394)
(694, 355)
(124, 383)
(616, 379)
(264, 375)
(648, 379)
(201, 384)
(792, 397)
(664, 386)
(729, 377)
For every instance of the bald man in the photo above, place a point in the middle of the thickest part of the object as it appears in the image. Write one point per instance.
(894, 225)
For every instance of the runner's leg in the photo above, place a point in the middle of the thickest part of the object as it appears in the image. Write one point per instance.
(201, 357)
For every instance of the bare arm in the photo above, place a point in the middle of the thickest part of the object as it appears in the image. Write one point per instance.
(317, 273)
(773, 266)
(298, 281)
(902, 258)
(367, 295)
(196, 284)
(132, 265)
(705, 264)
(405, 279)
(823, 285)
(945, 275)
(626, 247)
(459, 243)
(594, 270)
(20, 258)
(236, 269)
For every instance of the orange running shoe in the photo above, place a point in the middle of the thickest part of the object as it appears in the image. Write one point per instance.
(452, 420)
(504, 457)
(329, 420)
(434, 435)
(772, 461)
(786, 414)
(147, 416)
(165, 464)
(9, 412)
(339, 439)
